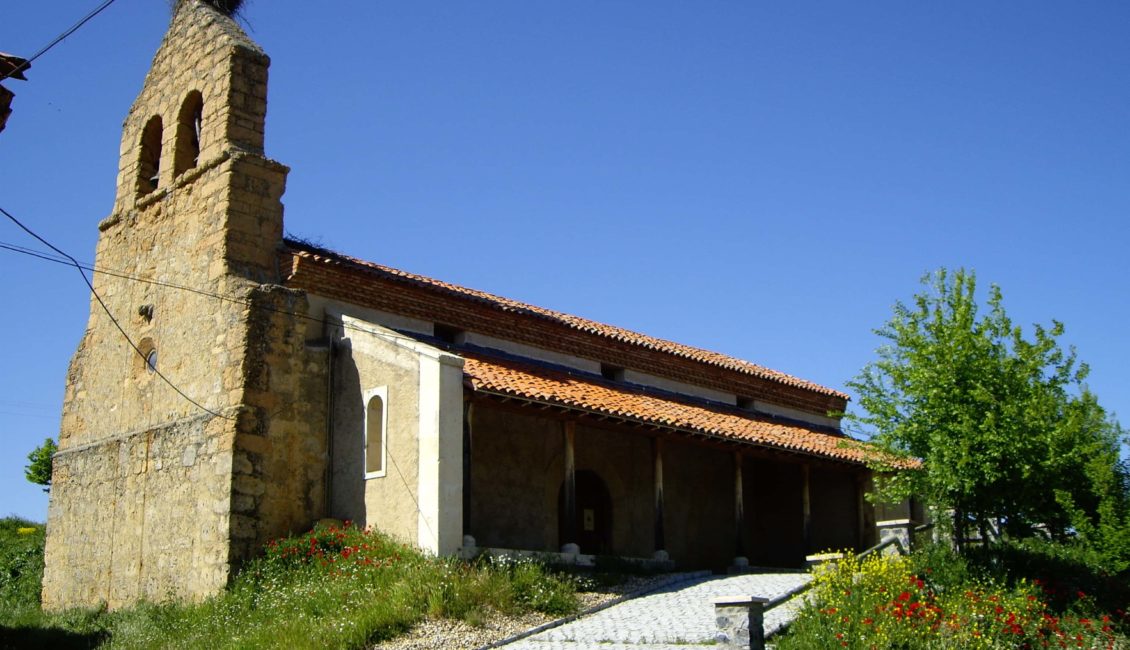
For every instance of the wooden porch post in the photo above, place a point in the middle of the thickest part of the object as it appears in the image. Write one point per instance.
(739, 507)
(660, 542)
(741, 562)
(569, 545)
(806, 501)
(468, 438)
(860, 521)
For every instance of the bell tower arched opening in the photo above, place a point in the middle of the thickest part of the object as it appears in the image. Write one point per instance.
(149, 161)
(190, 123)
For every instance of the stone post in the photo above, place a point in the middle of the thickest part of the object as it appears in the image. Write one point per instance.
(741, 622)
(900, 529)
(897, 521)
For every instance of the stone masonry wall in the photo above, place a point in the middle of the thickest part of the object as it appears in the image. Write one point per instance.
(279, 460)
(111, 541)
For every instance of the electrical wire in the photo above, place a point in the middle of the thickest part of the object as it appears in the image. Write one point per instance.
(203, 292)
(58, 39)
(70, 261)
(82, 272)
(67, 260)
(34, 253)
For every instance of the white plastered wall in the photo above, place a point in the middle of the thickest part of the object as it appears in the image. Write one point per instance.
(795, 414)
(440, 526)
(421, 502)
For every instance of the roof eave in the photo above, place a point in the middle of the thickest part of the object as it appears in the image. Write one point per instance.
(686, 431)
(737, 365)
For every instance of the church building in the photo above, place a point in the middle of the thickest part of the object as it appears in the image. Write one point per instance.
(233, 386)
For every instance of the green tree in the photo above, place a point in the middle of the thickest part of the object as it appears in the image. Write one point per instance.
(1004, 427)
(38, 470)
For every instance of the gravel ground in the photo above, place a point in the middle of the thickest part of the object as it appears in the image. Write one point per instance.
(456, 635)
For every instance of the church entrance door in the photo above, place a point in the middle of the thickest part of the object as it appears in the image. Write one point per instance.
(593, 516)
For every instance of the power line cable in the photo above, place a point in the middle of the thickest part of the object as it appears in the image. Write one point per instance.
(67, 260)
(70, 261)
(23, 250)
(33, 253)
(82, 272)
(58, 39)
(203, 292)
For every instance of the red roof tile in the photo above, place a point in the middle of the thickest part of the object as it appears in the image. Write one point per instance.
(507, 377)
(315, 254)
(12, 66)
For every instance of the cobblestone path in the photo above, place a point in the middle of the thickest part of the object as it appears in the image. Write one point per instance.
(676, 617)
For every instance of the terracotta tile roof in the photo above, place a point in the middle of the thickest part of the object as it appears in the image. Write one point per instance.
(507, 377)
(303, 250)
(12, 66)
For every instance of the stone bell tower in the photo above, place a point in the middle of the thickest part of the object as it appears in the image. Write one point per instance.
(197, 431)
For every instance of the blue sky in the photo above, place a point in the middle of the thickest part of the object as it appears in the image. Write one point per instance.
(764, 180)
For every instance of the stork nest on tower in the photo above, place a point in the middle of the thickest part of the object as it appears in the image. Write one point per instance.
(226, 7)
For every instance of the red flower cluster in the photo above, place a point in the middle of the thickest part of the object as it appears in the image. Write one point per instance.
(341, 550)
(1014, 621)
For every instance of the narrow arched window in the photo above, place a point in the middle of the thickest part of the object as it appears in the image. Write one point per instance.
(189, 123)
(376, 419)
(149, 164)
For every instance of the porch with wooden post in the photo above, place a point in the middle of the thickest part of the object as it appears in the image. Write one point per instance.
(667, 483)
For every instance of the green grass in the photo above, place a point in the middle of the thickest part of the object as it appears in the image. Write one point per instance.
(21, 566)
(329, 588)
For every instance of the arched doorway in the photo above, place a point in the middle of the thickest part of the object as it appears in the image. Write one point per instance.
(593, 517)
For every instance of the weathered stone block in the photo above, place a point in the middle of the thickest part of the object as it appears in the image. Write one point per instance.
(249, 485)
(740, 621)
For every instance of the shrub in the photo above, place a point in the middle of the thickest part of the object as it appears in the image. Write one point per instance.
(881, 602)
(1062, 571)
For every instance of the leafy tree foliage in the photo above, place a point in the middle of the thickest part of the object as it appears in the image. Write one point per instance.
(1005, 428)
(38, 470)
